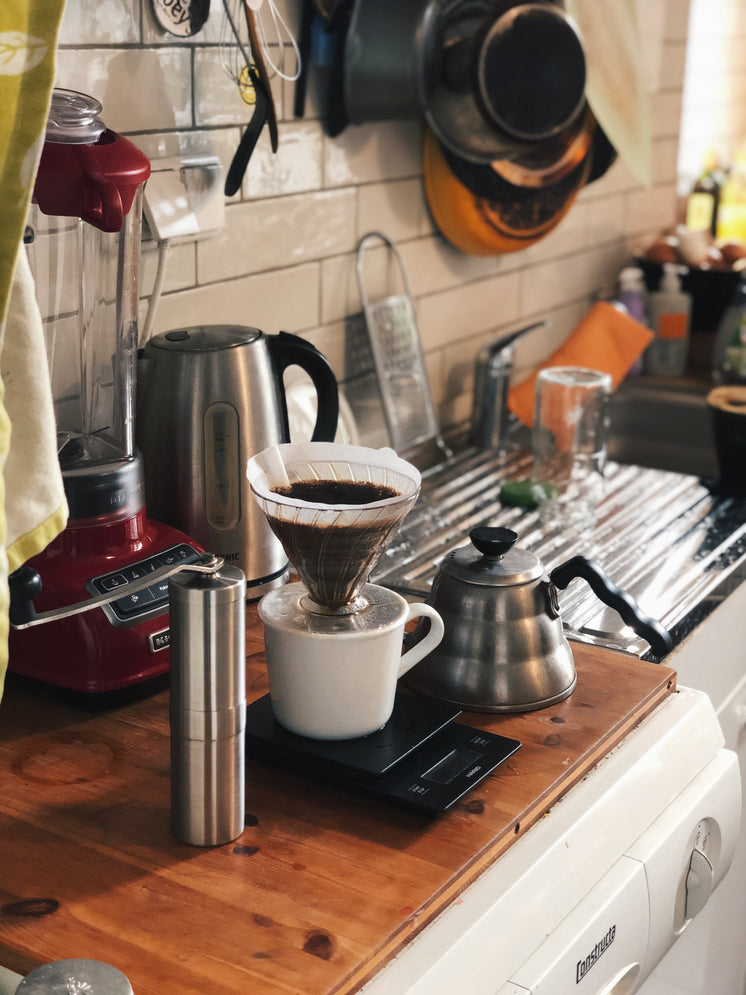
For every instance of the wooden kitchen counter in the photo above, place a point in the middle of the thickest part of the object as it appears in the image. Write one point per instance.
(321, 888)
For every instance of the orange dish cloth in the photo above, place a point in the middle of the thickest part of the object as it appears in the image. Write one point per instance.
(606, 339)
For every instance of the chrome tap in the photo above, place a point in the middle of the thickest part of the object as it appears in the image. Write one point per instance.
(494, 364)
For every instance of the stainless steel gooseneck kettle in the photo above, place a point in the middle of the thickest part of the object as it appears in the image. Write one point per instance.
(504, 648)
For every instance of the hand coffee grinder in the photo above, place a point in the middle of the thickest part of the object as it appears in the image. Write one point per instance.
(83, 243)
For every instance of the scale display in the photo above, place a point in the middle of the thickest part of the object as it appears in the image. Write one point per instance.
(420, 759)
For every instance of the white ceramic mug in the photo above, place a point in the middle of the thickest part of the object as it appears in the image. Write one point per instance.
(335, 677)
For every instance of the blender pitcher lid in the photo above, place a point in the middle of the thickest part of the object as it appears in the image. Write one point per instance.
(73, 118)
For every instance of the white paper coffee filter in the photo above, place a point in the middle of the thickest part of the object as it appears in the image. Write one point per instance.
(334, 547)
(332, 461)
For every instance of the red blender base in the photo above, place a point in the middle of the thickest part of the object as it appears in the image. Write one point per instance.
(110, 648)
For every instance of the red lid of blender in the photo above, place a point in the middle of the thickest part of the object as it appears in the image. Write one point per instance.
(87, 171)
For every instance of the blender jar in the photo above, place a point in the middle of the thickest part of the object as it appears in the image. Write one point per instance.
(83, 243)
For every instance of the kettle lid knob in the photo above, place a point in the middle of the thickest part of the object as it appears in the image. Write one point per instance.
(493, 541)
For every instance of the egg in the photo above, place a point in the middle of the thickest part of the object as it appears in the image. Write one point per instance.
(732, 252)
(663, 250)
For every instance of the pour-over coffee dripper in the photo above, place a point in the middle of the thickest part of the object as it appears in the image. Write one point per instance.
(333, 508)
(333, 641)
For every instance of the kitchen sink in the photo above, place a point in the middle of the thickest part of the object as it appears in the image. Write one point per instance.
(663, 425)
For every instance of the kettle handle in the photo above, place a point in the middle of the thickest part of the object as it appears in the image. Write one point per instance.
(291, 350)
(659, 637)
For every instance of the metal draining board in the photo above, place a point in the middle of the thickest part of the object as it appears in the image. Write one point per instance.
(661, 536)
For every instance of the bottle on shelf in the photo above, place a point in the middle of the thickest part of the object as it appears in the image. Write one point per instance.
(731, 219)
(632, 295)
(729, 351)
(669, 311)
(704, 201)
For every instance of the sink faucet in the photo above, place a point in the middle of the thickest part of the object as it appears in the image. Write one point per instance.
(494, 365)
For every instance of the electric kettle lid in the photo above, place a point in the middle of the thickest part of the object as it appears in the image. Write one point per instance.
(491, 560)
(204, 338)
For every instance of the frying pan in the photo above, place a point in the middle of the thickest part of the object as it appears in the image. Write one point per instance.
(482, 213)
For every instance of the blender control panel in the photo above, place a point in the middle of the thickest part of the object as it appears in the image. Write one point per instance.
(131, 608)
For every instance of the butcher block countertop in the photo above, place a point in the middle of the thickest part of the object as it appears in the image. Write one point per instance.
(322, 887)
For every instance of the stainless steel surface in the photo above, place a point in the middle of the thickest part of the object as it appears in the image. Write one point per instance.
(662, 424)
(66, 977)
(208, 705)
(209, 398)
(661, 536)
(494, 364)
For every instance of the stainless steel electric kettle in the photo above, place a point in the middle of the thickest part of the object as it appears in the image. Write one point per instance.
(209, 398)
(504, 647)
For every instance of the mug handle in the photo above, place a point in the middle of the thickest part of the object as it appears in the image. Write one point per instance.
(431, 640)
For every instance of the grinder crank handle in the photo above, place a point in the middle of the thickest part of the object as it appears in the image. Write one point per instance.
(25, 583)
(659, 637)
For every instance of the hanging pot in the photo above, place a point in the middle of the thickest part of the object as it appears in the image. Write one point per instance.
(512, 76)
(504, 648)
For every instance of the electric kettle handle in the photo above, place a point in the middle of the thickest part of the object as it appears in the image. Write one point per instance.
(621, 601)
(291, 350)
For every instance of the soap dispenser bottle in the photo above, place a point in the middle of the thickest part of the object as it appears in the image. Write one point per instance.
(669, 312)
(729, 353)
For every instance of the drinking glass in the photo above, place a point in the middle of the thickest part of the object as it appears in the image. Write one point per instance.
(569, 443)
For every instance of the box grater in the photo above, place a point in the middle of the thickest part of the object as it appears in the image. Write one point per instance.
(397, 355)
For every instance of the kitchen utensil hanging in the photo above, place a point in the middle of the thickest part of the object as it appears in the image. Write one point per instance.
(245, 60)
(395, 344)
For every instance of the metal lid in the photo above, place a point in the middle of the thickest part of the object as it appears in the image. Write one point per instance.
(491, 560)
(204, 338)
(78, 975)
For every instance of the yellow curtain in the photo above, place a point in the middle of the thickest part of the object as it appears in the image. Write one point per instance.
(28, 41)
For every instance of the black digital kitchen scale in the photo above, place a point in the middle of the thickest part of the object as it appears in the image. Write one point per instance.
(421, 758)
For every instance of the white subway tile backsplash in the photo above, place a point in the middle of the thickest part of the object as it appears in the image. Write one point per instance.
(218, 99)
(286, 258)
(468, 310)
(603, 219)
(650, 210)
(283, 300)
(100, 22)
(396, 208)
(556, 282)
(278, 232)
(295, 167)
(181, 267)
(369, 153)
(140, 89)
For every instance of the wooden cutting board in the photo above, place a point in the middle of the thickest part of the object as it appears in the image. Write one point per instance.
(321, 888)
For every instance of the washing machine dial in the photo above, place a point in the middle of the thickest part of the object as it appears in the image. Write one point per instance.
(700, 875)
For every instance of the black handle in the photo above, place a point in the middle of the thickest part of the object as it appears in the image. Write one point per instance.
(23, 586)
(250, 137)
(659, 638)
(291, 350)
(494, 540)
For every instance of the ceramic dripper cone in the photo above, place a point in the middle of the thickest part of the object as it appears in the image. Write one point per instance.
(333, 546)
